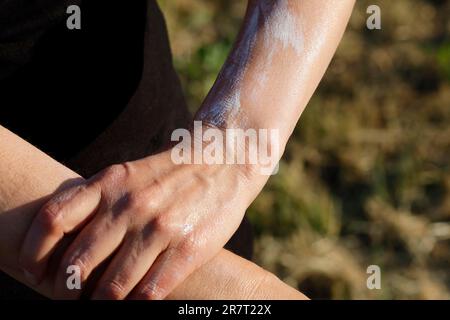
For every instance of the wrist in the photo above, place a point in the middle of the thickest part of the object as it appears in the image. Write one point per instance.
(209, 149)
(251, 151)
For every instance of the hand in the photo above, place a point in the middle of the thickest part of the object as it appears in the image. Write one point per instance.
(157, 221)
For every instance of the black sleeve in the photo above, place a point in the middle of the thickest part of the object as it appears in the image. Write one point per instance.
(60, 88)
(22, 23)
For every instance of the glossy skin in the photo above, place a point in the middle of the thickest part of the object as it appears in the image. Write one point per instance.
(29, 178)
(163, 221)
(167, 220)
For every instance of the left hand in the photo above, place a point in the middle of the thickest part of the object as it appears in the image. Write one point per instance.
(157, 220)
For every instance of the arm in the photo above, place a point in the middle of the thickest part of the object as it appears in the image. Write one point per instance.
(281, 54)
(28, 178)
(160, 220)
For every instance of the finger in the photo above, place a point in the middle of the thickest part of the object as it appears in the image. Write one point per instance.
(169, 270)
(129, 266)
(61, 215)
(95, 243)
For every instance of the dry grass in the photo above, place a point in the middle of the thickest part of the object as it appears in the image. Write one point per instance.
(366, 176)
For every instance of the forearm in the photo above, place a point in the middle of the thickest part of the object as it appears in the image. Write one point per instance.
(281, 54)
(231, 277)
(28, 177)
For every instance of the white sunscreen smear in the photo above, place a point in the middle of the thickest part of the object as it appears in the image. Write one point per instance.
(282, 26)
(274, 23)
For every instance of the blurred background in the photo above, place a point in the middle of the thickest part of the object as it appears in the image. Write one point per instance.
(365, 179)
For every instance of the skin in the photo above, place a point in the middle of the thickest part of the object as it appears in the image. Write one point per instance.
(159, 222)
(28, 178)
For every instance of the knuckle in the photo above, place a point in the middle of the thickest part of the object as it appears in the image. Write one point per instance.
(115, 173)
(151, 291)
(152, 202)
(148, 199)
(116, 169)
(112, 290)
(81, 263)
(50, 217)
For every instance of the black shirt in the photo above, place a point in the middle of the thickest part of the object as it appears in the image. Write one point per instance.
(60, 88)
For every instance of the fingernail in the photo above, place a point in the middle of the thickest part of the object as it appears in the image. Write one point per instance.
(31, 278)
